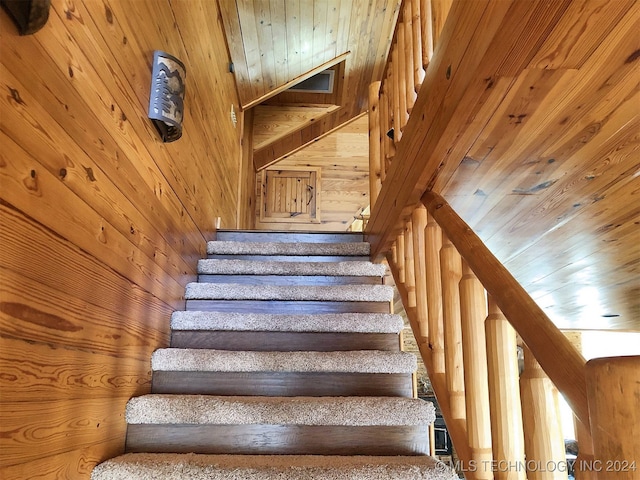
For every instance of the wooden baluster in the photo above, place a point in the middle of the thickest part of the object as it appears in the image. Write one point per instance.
(419, 222)
(384, 128)
(433, 239)
(418, 70)
(374, 144)
(402, 77)
(504, 394)
(613, 386)
(473, 309)
(390, 150)
(439, 12)
(395, 75)
(426, 31)
(584, 464)
(451, 274)
(543, 440)
(409, 265)
(394, 254)
(408, 55)
(583, 437)
(400, 260)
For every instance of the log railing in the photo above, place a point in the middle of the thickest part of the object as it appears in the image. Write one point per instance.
(467, 312)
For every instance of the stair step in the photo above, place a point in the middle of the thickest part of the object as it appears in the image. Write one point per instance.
(349, 249)
(282, 425)
(247, 267)
(333, 293)
(288, 237)
(246, 410)
(144, 466)
(346, 322)
(264, 332)
(201, 360)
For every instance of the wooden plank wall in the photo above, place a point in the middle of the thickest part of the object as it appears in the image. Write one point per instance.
(343, 157)
(101, 223)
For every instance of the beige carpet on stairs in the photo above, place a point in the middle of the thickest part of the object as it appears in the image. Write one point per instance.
(144, 466)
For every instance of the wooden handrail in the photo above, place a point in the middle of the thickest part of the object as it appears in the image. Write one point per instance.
(557, 356)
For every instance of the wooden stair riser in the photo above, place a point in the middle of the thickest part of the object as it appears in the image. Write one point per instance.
(288, 237)
(283, 384)
(291, 258)
(286, 306)
(288, 279)
(284, 341)
(279, 439)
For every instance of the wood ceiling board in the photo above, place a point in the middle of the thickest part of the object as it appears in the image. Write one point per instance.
(278, 18)
(293, 58)
(578, 108)
(266, 31)
(233, 33)
(251, 57)
(581, 30)
(273, 122)
(565, 182)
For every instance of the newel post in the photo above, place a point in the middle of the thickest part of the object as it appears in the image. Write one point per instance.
(613, 387)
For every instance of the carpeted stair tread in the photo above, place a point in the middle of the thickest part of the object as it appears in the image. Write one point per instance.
(241, 410)
(257, 267)
(334, 293)
(287, 248)
(268, 322)
(202, 360)
(170, 466)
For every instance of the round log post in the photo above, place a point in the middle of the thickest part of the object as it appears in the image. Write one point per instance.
(375, 168)
(451, 272)
(613, 388)
(433, 239)
(402, 77)
(400, 262)
(543, 440)
(419, 222)
(395, 77)
(426, 27)
(418, 69)
(408, 54)
(409, 265)
(504, 394)
(473, 309)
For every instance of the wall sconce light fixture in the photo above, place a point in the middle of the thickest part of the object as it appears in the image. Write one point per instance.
(166, 102)
(28, 15)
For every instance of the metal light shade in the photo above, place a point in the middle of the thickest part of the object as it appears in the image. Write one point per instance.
(166, 102)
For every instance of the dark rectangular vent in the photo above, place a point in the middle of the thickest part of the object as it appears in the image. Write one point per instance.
(320, 83)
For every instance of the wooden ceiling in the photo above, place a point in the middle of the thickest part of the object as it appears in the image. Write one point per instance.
(544, 166)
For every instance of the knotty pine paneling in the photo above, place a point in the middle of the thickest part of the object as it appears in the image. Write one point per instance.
(101, 224)
(343, 160)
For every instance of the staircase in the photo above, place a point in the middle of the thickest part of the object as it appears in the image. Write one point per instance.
(286, 364)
